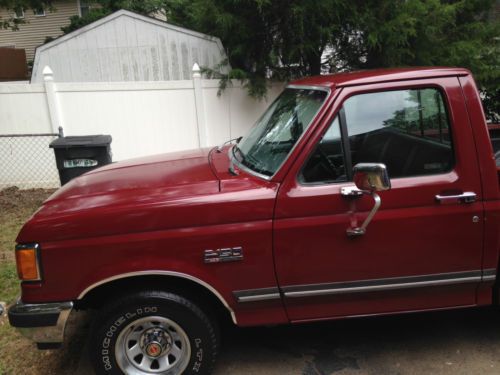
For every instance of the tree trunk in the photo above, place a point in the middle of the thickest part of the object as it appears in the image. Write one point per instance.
(374, 59)
(314, 63)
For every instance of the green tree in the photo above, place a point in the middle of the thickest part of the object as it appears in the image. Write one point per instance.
(12, 22)
(106, 7)
(432, 32)
(280, 39)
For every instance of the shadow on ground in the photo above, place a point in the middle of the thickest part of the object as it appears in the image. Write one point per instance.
(455, 342)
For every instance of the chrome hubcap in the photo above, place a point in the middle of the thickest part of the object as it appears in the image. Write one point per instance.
(153, 345)
(156, 341)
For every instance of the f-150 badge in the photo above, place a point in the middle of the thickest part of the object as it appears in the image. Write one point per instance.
(227, 254)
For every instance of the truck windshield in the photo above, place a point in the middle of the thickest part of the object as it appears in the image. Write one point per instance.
(272, 138)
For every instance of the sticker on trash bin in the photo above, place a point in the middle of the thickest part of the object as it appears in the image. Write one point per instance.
(79, 163)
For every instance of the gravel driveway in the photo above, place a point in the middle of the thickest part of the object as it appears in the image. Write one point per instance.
(455, 342)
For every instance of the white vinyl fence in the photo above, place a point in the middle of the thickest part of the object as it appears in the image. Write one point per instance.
(144, 118)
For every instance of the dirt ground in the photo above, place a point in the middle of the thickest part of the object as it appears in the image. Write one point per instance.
(449, 343)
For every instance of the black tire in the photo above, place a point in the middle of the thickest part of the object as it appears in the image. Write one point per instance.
(125, 317)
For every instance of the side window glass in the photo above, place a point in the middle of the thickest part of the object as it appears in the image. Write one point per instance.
(326, 163)
(407, 130)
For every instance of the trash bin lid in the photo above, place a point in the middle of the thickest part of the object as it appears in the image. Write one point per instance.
(81, 141)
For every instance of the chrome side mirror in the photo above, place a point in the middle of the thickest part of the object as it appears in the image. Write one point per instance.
(369, 178)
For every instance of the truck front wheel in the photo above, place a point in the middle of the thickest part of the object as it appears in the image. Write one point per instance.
(153, 332)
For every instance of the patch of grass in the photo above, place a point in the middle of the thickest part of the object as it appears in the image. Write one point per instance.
(16, 206)
(10, 225)
(9, 282)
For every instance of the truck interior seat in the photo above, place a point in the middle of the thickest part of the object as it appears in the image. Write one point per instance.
(404, 154)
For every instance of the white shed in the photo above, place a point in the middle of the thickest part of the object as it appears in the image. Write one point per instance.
(126, 46)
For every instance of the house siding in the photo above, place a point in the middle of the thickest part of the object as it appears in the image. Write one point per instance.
(33, 33)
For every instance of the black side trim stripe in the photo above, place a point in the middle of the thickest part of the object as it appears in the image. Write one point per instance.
(490, 274)
(254, 295)
(392, 283)
(374, 285)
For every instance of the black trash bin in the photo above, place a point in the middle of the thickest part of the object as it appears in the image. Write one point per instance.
(79, 154)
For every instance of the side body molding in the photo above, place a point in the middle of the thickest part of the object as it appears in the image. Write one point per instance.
(162, 273)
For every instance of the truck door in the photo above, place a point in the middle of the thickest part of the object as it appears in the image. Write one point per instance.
(423, 249)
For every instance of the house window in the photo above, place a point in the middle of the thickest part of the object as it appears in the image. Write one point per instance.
(84, 8)
(19, 13)
(39, 12)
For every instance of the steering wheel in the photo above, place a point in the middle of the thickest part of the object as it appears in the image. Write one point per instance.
(329, 164)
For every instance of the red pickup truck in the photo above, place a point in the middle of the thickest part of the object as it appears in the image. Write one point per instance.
(355, 194)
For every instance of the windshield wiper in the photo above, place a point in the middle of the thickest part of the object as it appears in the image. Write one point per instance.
(235, 150)
(219, 148)
(250, 162)
(231, 164)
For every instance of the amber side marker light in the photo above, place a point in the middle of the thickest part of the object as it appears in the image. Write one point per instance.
(27, 262)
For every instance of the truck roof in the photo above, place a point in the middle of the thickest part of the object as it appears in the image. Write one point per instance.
(378, 75)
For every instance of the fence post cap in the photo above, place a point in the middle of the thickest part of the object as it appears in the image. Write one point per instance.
(196, 71)
(48, 74)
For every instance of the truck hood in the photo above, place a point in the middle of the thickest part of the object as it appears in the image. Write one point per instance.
(154, 195)
(186, 172)
(132, 195)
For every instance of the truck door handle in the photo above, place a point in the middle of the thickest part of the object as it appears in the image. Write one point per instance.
(467, 197)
